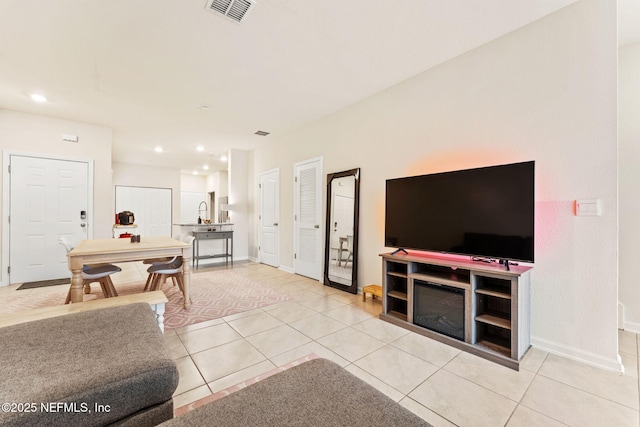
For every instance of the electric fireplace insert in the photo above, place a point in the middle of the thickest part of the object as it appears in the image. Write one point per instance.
(439, 308)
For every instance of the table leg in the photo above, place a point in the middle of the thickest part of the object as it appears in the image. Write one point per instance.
(186, 275)
(76, 285)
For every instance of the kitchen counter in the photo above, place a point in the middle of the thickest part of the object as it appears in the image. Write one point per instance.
(224, 226)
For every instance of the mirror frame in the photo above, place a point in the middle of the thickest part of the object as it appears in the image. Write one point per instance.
(353, 288)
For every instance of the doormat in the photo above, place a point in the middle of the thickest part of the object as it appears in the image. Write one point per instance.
(43, 283)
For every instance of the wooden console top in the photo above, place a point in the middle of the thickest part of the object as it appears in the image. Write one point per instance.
(448, 261)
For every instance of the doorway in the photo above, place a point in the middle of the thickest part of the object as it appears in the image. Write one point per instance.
(307, 257)
(45, 198)
(269, 218)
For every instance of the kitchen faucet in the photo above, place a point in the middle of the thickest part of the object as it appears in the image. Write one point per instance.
(206, 209)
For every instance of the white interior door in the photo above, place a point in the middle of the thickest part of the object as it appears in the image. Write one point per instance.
(307, 259)
(47, 199)
(269, 217)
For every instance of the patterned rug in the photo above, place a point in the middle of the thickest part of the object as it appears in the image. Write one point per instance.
(213, 294)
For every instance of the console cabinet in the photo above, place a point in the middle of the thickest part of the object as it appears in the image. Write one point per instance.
(478, 307)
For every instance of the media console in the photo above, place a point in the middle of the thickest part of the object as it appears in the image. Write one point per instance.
(477, 307)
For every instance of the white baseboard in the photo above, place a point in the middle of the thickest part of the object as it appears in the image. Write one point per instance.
(624, 324)
(611, 364)
(253, 259)
(631, 327)
(286, 269)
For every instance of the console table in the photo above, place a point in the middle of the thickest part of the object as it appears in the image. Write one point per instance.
(484, 308)
(213, 235)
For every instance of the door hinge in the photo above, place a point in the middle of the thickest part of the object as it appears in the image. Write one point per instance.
(259, 216)
(296, 179)
(9, 219)
(295, 256)
(295, 217)
(9, 270)
(9, 168)
(259, 248)
(259, 185)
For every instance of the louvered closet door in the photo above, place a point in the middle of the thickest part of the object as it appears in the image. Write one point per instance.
(308, 217)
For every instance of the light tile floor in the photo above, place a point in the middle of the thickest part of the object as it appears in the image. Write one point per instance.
(441, 384)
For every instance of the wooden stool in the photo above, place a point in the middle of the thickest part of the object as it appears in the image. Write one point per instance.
(373, 290)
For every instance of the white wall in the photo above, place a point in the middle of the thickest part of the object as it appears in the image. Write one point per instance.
(218, 183)
(28, 133)
(239, 211)
(546, 92)
(195, 183)
(629, 176)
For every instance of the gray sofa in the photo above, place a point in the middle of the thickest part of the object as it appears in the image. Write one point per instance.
(314, 393)
(101, 367)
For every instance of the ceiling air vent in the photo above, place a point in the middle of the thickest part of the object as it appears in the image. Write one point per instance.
(236, 10)
(261, 133)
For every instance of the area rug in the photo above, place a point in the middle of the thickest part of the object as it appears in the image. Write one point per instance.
(215, 396)
(43, 283)
(217, 294)
(214, 294)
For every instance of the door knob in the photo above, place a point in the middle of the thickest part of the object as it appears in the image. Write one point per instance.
(83, 225)
(275, 224)
(316, 226)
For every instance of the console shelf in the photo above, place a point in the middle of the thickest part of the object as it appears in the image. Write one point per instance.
(398, 295)
(480, 308)
(494, 320)
(493, 293)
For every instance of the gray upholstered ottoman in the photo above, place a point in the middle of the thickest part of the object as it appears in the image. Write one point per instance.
(315, 393)
(100, 367)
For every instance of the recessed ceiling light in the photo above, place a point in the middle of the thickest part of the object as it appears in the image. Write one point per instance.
(158, 149)
(205, 107)
(195, 172)
(200, 148)
(223, 158)
(205, 167)
(38, 97)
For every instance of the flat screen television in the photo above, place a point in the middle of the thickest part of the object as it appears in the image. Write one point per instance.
(484, 212)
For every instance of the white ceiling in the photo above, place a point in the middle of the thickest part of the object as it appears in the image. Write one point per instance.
(144, 67)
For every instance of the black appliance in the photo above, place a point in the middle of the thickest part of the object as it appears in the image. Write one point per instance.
(126, 218)
(484, 212)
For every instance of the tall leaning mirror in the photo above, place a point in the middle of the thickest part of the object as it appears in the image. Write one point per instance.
(341, 246)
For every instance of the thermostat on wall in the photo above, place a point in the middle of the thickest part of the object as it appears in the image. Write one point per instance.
(70, 138)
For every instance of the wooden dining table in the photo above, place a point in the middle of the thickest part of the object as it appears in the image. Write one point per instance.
(97, 251)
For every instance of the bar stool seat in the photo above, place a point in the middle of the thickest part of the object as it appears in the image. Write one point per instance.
(161, 271)
(97, 273)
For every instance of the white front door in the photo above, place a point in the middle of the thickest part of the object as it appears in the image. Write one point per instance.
(307, 259)
(269, 217)
(48, 200)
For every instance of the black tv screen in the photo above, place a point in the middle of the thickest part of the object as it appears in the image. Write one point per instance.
(484, 212)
